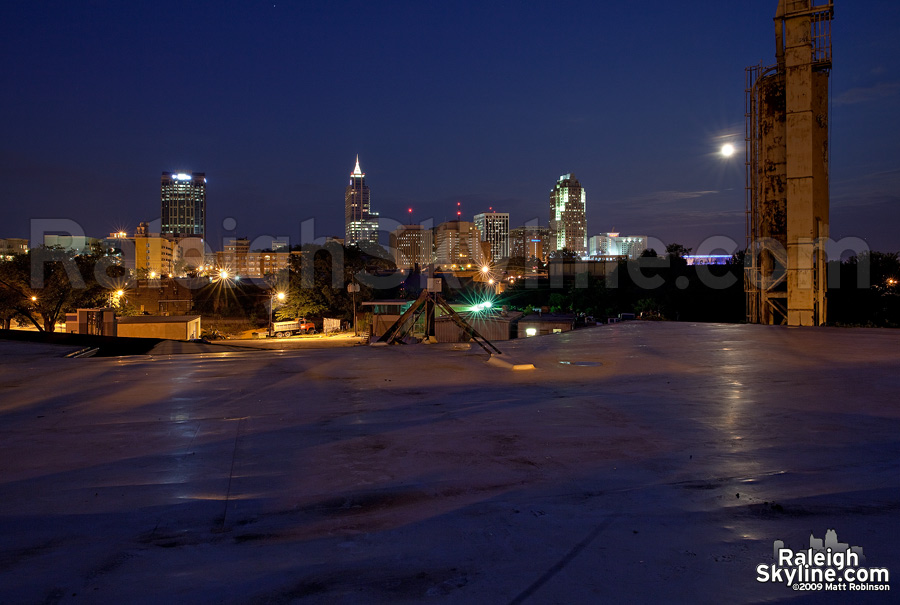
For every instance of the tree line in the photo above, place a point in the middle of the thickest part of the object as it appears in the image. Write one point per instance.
(39, 287)
(863, 290)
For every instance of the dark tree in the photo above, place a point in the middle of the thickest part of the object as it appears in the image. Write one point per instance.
(44, 284)
(320, 275)
(677, 251)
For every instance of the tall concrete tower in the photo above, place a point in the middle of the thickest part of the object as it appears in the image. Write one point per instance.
(787, 170)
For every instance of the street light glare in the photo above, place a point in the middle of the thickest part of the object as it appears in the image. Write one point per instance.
(280, 296)
(728, 150)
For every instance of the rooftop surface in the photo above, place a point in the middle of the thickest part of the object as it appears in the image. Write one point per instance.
(640, 462)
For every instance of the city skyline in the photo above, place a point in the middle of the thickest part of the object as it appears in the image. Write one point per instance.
(651, 94)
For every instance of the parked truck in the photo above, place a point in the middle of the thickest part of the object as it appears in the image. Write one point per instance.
(282, 329)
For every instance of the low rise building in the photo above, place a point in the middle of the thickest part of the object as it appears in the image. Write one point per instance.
(78, 244)
(174, 327)
(96, 322)
(545, 323)
(237, 259)
(612, 244)
(382, 314)
(491, 326)
(165, 296)
(13, 245)
(558, 268)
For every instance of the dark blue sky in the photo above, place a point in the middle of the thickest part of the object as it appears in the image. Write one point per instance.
(483, 103)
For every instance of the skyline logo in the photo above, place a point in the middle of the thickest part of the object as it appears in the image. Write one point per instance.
(827, 564)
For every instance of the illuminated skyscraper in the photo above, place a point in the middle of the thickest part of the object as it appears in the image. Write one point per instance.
(412, 245)
(494, 228)
(183, 198)
(568, 224)
(361, 224)
(457, 246)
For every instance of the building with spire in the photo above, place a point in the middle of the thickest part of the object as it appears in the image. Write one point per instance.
(361, 224)
(568, 224)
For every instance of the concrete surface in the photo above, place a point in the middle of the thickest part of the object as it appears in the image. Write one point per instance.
(657, 464)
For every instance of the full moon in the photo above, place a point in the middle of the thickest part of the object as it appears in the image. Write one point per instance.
(727, 150)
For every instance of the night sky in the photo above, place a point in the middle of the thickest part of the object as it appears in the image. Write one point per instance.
(482, 103)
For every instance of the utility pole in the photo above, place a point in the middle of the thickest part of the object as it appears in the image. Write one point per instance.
(279, 296)
(353, 289)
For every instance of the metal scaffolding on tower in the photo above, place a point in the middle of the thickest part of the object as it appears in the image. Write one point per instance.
(786, 147)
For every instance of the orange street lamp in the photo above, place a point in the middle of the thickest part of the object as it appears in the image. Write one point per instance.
(279, 296)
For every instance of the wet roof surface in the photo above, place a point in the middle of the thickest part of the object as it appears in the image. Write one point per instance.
(664, 459)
